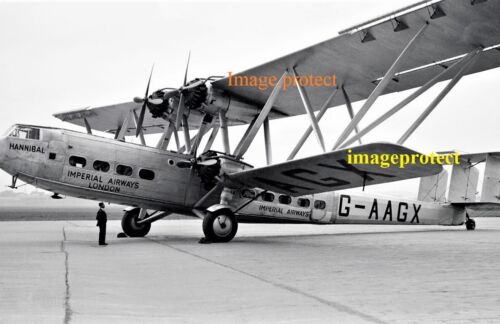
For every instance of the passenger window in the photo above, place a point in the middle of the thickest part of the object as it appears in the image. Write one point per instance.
(26, 133)
(302, 202)
(101, 166)
(77, 161)
(267, 196)
(247, 193)
(124, 170)
(319, 204)
(146, 174)
(286, 200)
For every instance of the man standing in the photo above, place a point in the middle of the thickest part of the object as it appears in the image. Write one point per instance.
(102, 219)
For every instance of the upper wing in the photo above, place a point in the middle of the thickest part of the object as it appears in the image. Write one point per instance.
(358, 65)
(110, 118)
(331, 171)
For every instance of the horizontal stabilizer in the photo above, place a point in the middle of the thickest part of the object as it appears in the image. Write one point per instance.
(331, 171)
(480, 209)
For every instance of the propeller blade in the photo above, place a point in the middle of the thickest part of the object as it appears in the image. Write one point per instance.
(145, 102)
(180, 112)
(187, 67)
(141, 119)
(149, 81)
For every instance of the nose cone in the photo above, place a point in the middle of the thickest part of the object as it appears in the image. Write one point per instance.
(3, 150)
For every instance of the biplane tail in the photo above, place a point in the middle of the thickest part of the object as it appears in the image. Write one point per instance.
(463, 187)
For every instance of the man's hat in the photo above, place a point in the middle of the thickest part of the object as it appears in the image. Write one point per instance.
(101, 204)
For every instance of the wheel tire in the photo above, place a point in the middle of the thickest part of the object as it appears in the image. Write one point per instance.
(220, 226)
(130, 226)
(470, 224)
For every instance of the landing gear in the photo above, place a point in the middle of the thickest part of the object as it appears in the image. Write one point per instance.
(219, 226)
(130, 225)
(470, 224)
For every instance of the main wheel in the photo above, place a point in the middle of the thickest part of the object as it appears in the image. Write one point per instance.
(470, 224)
(220, 226)
(130, 226)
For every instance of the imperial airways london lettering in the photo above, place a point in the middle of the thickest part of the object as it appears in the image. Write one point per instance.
(98, 183)
(279, 210)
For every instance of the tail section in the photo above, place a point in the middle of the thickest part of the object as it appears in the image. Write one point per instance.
(462, 191)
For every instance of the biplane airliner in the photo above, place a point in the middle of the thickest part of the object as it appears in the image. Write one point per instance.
(411, 48)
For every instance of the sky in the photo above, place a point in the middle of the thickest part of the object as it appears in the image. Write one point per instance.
(59, 56)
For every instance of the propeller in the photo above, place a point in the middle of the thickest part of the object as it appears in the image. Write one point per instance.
(194, 161)
(181, 107)
(144, 104)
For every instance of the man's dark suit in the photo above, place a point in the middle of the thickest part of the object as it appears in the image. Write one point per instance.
(102, 219)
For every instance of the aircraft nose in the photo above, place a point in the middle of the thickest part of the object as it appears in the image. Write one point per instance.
(3, 150)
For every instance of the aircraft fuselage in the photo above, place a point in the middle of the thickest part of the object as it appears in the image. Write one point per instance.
(98, 168)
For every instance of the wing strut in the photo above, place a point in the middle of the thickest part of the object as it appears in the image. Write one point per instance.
(225, 132)
(177, 143)
(124, 127)
(350, 110)
(378, 89)
(408, 99)
(267, 142)
(253, 129)
(308, 131)
(141, 133)
(87, 126)
(165, 136)
(187, 140)
(211, 139)
(310, 113)
(205, 125)
(438, 99)
(183, 147)
(247, 131)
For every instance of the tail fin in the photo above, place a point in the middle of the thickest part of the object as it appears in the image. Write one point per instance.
(463, 183)
(491, 181)
(433, 188)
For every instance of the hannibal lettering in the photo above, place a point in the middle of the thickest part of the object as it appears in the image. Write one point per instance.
(26, 148)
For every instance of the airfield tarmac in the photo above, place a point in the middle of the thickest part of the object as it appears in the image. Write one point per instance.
(54, 272)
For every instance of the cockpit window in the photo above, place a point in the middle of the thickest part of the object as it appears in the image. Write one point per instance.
(25, 132)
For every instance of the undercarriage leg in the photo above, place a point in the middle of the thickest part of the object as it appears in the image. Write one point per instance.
(470, 224)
